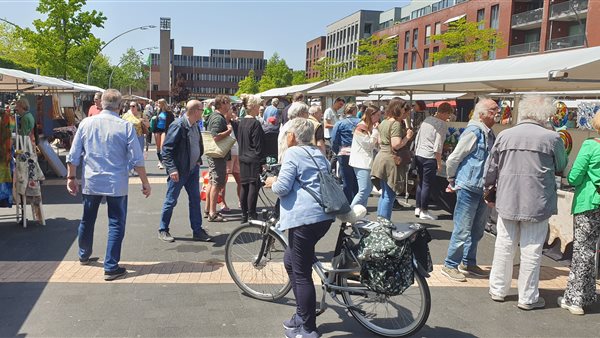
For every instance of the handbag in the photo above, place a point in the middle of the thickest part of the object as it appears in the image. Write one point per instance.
(332, 198)
(27, 169)
(402, 155)
(216, 149)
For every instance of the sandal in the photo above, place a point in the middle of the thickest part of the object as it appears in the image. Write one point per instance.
(216, 218)
(225, 209)
(206, 214)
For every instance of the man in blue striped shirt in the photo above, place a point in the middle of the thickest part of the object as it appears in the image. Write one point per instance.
(109, 148)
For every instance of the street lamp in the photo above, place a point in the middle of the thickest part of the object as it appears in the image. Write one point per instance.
(111, 40)
(141, 51)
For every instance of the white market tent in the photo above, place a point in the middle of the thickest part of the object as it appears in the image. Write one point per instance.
(559, 71)
(425, 97)
(13, 80)
(358, 85)
(291, 90)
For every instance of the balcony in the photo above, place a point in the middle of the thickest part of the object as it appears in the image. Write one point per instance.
(525, 48)
(566, 42)
(528, 20)
(568, 10)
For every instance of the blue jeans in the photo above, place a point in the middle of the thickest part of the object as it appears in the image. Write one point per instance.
(363, 177)
(191, 182)
(427, 170)
(386, 201)
(348, 177)
(470, 216)
(117, 216)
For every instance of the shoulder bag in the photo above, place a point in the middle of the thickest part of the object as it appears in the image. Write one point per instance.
(216, 149)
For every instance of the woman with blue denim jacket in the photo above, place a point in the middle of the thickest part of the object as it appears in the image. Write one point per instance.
(304, 219)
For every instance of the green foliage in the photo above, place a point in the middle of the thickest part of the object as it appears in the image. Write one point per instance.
(299, 77)
(13, 50)
(180, 92)
(132, 72)
(376, 54)
(277, 74)
(101, 71)
(329, 69)
(465, 42)
(248, 85)
(63, 42)
(10, 64)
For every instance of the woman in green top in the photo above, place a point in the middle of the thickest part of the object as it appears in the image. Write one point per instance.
(585, 177)
(26, 120)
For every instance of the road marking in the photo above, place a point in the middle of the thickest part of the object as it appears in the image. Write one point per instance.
(214, 272)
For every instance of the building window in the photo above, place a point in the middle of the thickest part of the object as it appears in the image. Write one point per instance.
(154, 87)
(367, 30)
(405, 64)
(426, 58)
(413, 61)
(427, 34)
(494, 23)
(407, 40)
(438, 28)
(436, 50)
(415, 37)
(480, 18)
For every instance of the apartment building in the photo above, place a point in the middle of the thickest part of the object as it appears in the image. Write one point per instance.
(315, 50)
(204, 76)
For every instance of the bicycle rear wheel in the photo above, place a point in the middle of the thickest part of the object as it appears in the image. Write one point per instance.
(389, 316)
(265, 280)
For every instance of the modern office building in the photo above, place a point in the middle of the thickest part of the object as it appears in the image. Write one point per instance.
(315, 50)
(527, 26)
(204, 76)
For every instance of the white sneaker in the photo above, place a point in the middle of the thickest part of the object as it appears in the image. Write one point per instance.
(427, 215)
(160, 166)
(417, 212)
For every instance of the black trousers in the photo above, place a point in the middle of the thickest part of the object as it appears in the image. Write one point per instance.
(299, 258)
(426, 169)
(249, 198)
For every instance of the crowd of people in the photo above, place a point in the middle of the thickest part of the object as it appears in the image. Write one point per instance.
(512, 172)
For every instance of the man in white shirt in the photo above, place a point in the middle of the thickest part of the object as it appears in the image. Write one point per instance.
(330, 117)
(429, 144)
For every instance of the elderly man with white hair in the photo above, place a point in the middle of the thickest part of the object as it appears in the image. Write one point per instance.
(465, 170)
(522, 166)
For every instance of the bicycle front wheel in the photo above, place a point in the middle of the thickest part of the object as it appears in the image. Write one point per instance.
(264, 278)
(390, 316)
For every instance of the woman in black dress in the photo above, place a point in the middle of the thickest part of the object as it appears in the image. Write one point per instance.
(250, 140)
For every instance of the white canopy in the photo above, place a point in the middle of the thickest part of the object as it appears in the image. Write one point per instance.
(569, 70)
(291, 90)
(12, 80)
(352, 86)
(415, 97)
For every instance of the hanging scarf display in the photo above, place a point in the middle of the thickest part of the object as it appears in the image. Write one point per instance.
(6, 198)
(585, 114)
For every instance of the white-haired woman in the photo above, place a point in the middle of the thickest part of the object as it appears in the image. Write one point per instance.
(522, 165)
(304, 219)
(250, 139)
(585, 177)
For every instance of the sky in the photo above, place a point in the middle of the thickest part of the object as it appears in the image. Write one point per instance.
(282, 26)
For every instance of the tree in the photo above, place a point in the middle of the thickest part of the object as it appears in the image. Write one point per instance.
(132, 73)
(63, 43)
(329, 69)
(180, 92)
(248, 85)
(299, 77)
(277, 74)
(465, 42)
(376, 54)
(13, 50)
(101, 71)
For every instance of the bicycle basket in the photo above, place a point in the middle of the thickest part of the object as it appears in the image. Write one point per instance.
(386, 264)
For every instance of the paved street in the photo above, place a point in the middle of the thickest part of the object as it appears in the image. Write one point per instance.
(183, 288)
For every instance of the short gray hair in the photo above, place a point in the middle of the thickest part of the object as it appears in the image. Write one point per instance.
(297, 109)
(314, 110)
(536, 107)
(303, 130)
(111, 100)
(480, 108)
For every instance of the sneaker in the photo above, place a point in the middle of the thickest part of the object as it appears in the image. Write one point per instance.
(202, 236)
(417, 212)
(496, 298)
(165, 236)
(301, 332)
(540, 304)
(87, 261)
(453, 274)
(473, 270)
(293, 323)
(574, 309)
(112, 275)
(425, 214)
(160, 166)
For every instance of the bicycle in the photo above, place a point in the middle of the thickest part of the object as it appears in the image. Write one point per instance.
(254, 259)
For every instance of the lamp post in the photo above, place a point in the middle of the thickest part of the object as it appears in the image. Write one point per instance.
(141, 51)
(111, 40)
